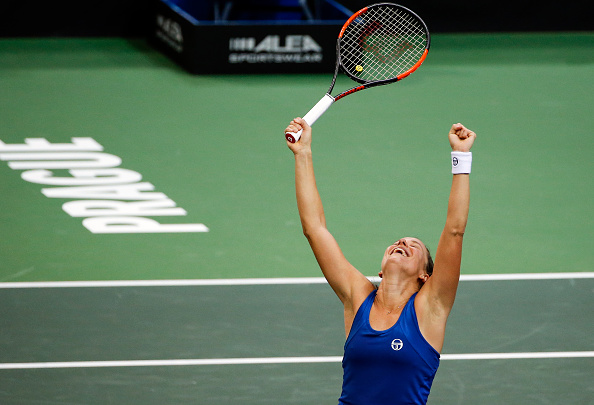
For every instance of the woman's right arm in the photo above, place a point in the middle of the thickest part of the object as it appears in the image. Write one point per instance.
(348, 283)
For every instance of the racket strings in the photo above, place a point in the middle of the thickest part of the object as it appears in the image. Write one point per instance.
(382, 43)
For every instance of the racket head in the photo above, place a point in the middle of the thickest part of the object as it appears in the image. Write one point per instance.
(382, 43)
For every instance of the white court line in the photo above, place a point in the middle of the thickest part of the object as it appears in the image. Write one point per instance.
(272, 281)
(277, 360)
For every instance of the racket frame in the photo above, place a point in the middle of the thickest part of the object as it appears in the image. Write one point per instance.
(368, 84)
(326, 101)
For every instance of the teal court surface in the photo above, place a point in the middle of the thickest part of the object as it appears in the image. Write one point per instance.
(152, 251)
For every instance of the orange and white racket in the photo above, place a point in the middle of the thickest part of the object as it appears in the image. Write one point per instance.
(379, 44)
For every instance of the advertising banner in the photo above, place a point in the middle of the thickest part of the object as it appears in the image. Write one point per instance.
(203, 47)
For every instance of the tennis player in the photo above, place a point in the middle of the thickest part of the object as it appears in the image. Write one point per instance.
(395, 333)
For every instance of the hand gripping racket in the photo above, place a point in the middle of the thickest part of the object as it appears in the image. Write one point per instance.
(379, 44)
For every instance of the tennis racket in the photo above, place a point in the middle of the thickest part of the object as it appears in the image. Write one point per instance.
(379, 44)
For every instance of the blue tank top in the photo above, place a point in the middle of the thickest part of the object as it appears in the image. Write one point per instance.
(391, 367)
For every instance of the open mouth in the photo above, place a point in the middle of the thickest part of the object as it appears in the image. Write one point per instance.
(400, 251)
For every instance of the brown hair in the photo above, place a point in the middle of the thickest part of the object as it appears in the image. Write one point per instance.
(429, 265)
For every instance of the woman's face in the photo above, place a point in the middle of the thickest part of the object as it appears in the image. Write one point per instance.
(406, 254)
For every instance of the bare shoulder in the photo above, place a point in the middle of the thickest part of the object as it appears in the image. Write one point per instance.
(432, 316)
(360, 291)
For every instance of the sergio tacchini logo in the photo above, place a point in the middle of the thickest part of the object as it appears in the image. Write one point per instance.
(397, 344)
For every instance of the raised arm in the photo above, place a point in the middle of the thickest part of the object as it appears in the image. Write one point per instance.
(346, 281)
(436, 298)
(442, 285)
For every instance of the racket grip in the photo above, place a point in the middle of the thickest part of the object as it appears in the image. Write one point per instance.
(293, 137)
(312, 116)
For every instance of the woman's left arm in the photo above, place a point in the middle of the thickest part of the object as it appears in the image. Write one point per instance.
(439, 291)
(446, 273)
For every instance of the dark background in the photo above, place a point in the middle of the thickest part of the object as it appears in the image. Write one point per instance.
(130, 18)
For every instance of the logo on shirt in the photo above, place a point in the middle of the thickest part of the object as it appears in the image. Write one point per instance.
(397, 344)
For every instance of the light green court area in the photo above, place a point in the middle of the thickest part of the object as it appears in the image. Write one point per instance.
(214, 145)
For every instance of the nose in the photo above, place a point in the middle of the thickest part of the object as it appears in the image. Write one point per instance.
(402, 242)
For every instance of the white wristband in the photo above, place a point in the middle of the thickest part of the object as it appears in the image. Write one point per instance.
(461, 162)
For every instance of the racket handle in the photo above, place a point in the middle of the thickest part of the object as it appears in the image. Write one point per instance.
(312, 116)
(293, 137)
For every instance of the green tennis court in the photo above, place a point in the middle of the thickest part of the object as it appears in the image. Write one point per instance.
(205, 308)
